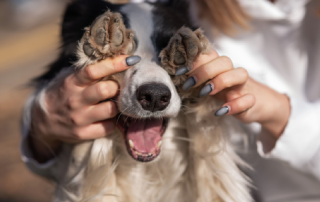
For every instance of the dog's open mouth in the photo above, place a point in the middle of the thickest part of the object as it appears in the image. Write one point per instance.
(143, 137)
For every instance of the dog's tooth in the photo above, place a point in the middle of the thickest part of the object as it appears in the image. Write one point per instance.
(149, 154)
(159, 144)
(131, 143)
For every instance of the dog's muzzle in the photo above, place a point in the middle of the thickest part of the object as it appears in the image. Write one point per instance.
(143, 136)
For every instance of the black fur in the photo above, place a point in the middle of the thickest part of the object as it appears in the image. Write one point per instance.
(168, 18)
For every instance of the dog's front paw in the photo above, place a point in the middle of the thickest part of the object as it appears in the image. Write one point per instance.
(106, 37)
(184, 47)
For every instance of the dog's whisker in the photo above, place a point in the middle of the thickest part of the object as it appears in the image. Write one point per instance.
(119, 116)
(179, 138)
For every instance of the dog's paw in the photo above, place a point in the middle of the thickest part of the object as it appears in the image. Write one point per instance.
(106, 37)
(184, 47)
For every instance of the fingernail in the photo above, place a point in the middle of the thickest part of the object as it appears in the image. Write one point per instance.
(181, 71)
(222, 111)
(205, 90)
(189, 83)
(132, 60)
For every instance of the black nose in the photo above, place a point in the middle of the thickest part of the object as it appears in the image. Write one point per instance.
(154, 96)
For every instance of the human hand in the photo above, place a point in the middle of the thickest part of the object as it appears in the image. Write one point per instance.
(73, 108)
(246, 99)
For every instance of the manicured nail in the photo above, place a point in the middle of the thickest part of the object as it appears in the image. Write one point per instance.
(205, 90)
(189, 83)
(132, 60)
(222, 111)
(181, 71)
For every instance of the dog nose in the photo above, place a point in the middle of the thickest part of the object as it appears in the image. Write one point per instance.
(154, 96)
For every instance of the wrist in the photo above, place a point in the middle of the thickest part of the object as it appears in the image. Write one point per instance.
(43, 149)
(279, 116)
(43, 146)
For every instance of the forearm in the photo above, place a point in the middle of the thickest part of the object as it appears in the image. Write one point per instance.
(28, 154)
(299, 143)
(43, 146)
(280, 116)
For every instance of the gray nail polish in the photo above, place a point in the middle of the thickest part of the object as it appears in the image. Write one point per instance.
(181, 71)
(205, 90)
(222, 111)
(189, 83)
(132, 60)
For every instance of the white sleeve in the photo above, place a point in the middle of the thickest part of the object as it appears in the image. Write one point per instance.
(300, 142)
(43, 169)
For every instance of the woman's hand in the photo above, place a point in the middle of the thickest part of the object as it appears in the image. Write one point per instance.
(73, 109)
(246, 99)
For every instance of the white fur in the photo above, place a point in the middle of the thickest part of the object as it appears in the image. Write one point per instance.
(148, 71)
(197, 162)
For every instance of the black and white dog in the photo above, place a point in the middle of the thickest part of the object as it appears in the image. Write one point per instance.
(178, 150)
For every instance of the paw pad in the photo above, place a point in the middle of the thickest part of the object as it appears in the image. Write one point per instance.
(88, 50)
(107, 37)
(182, 50)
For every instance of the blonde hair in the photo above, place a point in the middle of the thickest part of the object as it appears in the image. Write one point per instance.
(118, 1)
(225, 15)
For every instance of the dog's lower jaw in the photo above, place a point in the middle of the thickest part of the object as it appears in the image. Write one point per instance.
(142, 137)
(185, 171)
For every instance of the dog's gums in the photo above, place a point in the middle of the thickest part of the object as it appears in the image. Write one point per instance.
(143, 137)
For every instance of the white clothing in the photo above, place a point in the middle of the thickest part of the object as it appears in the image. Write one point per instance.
(282, 50)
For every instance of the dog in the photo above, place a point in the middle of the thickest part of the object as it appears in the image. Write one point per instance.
(169, 146)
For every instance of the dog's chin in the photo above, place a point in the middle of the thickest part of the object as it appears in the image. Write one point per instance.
(143, 137)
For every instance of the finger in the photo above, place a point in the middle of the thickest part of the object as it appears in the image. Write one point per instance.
(200, 60)
(105, 68)
(100, 91)
(228, 79)
(95, 113)
(237, 106)
(203, 59)
(208, 71)
(95, 130)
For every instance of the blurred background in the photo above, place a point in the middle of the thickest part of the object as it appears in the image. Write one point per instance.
(29, 40)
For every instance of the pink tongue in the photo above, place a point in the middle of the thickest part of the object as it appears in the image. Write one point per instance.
(145, 134)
